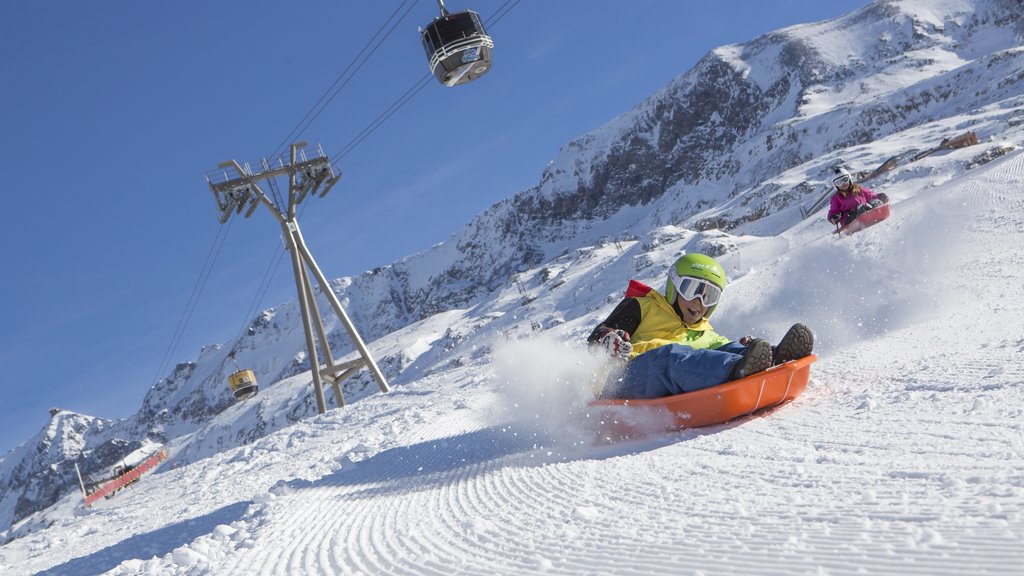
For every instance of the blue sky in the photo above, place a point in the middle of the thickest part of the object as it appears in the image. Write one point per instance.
(112, 113)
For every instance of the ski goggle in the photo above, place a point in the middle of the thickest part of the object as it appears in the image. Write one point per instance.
(838, 181)
(689, 288)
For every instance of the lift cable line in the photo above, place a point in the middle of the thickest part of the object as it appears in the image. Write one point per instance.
(264, 286)
(337, 85)
(193, 299)
(502, 11)
(311, 115)
(275, 260)
(261, 291)
(222, 232)
(382, 117)
(236, 189)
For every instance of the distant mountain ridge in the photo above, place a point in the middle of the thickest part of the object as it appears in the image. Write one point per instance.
(735, 145)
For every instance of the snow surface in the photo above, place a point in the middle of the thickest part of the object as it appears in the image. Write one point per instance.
(904, 456)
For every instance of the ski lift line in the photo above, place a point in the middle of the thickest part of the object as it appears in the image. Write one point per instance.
(328, 96)
(311, 115)
(193, 299)
(264, 287)
(498, 15)
(186, 313)
(383, 117)
(190, 310)
(381, 41)
(299, 128)
(261, 291)
(501, 12)
(222, 232)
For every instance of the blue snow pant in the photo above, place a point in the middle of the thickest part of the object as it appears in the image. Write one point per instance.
(674, 369)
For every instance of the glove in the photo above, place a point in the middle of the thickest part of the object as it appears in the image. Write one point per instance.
(616, 344)
(834, 218)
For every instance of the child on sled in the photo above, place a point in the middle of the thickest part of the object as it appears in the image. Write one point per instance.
(668, 345)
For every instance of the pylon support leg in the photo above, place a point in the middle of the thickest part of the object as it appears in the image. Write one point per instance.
(342, 315)
(303, 293)
(325, 345)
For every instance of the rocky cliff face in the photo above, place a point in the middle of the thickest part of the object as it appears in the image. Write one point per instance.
(736, 144)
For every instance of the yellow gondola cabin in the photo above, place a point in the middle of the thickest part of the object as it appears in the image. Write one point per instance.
(243, 384)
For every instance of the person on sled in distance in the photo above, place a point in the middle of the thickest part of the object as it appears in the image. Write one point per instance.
(851, 199)
(668, 345)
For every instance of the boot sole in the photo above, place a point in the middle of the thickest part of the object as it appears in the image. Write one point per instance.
(757, 359)
(797, 343)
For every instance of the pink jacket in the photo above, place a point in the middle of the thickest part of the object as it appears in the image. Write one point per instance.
(850, 202)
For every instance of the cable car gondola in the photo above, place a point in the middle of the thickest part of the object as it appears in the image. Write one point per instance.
(458, 48)
(243, 382)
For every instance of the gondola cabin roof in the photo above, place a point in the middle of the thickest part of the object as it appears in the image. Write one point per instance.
(458, 48)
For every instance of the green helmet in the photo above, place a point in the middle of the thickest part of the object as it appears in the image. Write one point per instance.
(695, 266)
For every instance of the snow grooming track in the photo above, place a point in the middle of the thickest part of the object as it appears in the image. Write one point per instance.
(816, 486)
(532, 510)
(904, 456)
(363, 515)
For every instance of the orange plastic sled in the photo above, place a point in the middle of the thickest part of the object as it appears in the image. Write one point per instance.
(624, 419)
(869, 218)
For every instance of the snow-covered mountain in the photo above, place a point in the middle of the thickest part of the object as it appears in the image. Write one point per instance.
(723, 158)
(904, 456)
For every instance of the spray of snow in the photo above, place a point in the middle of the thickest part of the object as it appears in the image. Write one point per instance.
(546, 384)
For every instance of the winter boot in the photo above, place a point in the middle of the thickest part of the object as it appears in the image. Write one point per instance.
(797, 343)
(756, 358)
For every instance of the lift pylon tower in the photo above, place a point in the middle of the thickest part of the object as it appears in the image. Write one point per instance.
(237, 190)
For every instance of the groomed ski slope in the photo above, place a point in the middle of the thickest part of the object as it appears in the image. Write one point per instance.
(904, 456)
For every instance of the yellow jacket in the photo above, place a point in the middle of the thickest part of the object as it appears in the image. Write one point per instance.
(660, 325)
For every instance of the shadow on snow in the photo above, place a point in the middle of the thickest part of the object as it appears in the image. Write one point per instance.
(143, 546)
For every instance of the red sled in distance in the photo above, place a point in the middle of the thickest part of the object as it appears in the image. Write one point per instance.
(869, 218)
